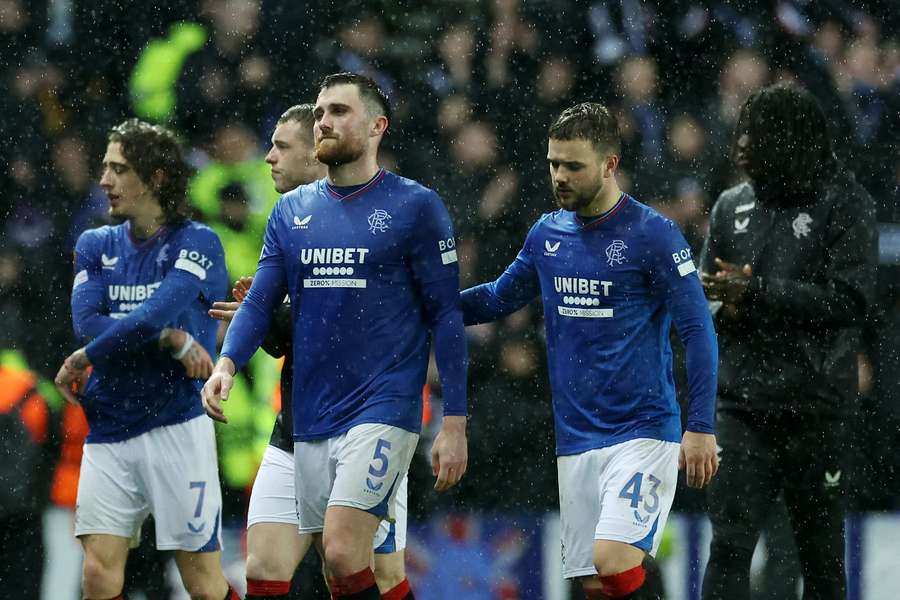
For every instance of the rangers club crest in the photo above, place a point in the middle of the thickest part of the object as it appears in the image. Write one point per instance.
(801, 225)
(615, 253)
(378, 221)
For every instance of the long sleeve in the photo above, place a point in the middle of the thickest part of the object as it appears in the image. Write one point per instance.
(436, 270)
(88, 293)
(846, 295)
(516, 287)
(186, 282)
(253, 319)
(675, 275)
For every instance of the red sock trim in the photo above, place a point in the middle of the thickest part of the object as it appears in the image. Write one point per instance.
(352, 584)
(398, 592)
(232, 594)
(260, 587)
(624, 583)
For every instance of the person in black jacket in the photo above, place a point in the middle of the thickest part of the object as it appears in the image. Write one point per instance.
(789, 269)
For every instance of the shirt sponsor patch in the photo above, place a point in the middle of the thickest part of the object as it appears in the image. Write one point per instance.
(590, 313)
(191, 267)
(686, 268)
(80, 277)
(448, 257)
(334, 283)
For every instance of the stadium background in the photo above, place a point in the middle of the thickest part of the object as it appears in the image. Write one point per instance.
(474, 85)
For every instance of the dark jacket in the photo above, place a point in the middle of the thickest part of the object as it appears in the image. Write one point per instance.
(795, 341)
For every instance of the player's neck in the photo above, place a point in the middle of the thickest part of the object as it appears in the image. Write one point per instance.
(357, 172)
(602, 202)
(144, 226)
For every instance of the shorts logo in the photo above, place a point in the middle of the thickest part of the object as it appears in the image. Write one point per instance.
(832, 479)
(378, 221)
(109, 262)
(740, 225)
(615, 253)
(801, 225)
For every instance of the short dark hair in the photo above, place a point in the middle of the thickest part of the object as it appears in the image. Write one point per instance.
(789, 136)
(371, 94)
(592, 122)
(300, 113)
(151, 148)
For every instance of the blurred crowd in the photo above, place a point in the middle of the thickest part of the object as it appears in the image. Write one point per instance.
(474, 85)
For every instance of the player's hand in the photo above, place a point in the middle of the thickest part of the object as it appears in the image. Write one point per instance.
(729, 284)
(699, 458)
(216, 389)
(196, 360)
(72, 375)
(224, 311)
(449, 454)
(241, 287)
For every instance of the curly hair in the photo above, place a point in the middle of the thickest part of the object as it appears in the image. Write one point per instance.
(789, 139)
(150, 149)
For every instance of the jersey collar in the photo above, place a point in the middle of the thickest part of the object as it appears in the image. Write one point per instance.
(605, 217)
(335, 192)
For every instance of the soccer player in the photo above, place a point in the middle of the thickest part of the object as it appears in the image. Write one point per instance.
(368, 260)
(791, 257)
(150, 449)
(274, 545)
(613, 275)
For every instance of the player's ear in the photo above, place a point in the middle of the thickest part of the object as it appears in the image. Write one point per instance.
(611, 165)
(379, 126)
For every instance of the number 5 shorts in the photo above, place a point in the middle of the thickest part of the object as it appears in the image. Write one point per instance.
(362, 468)
(170, 472)
(621, 493)
(273, 501)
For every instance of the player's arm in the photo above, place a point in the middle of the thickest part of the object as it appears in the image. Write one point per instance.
(89, 318)
(674, 275)
(516, 287)
(846, 295)
(436, 271)
(251, 322)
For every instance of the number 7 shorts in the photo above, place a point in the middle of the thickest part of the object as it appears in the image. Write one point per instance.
(621, 493)
(170, 472)
(362, 468)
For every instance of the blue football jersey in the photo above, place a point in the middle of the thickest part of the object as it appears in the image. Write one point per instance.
(124, 293)
(371, 275)
(610, 289)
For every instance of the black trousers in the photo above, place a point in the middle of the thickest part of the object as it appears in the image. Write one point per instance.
(764, 456)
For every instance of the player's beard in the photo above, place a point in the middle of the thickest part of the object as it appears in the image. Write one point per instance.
(577, 199)
(339, 152)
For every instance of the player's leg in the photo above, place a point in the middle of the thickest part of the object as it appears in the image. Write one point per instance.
(390, 545)
(103, 570)
(371, 461)
(637, 487)
(815, 495)
(180, 476)
(274, 545)
(109, 511)
(740, 499)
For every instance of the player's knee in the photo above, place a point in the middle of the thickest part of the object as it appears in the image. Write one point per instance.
(265, 567)
(99, 578)
(343, 559)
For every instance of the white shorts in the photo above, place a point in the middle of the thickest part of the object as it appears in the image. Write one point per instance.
(621, 493)
(273, 501)
(362, 468)
(170, 472)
